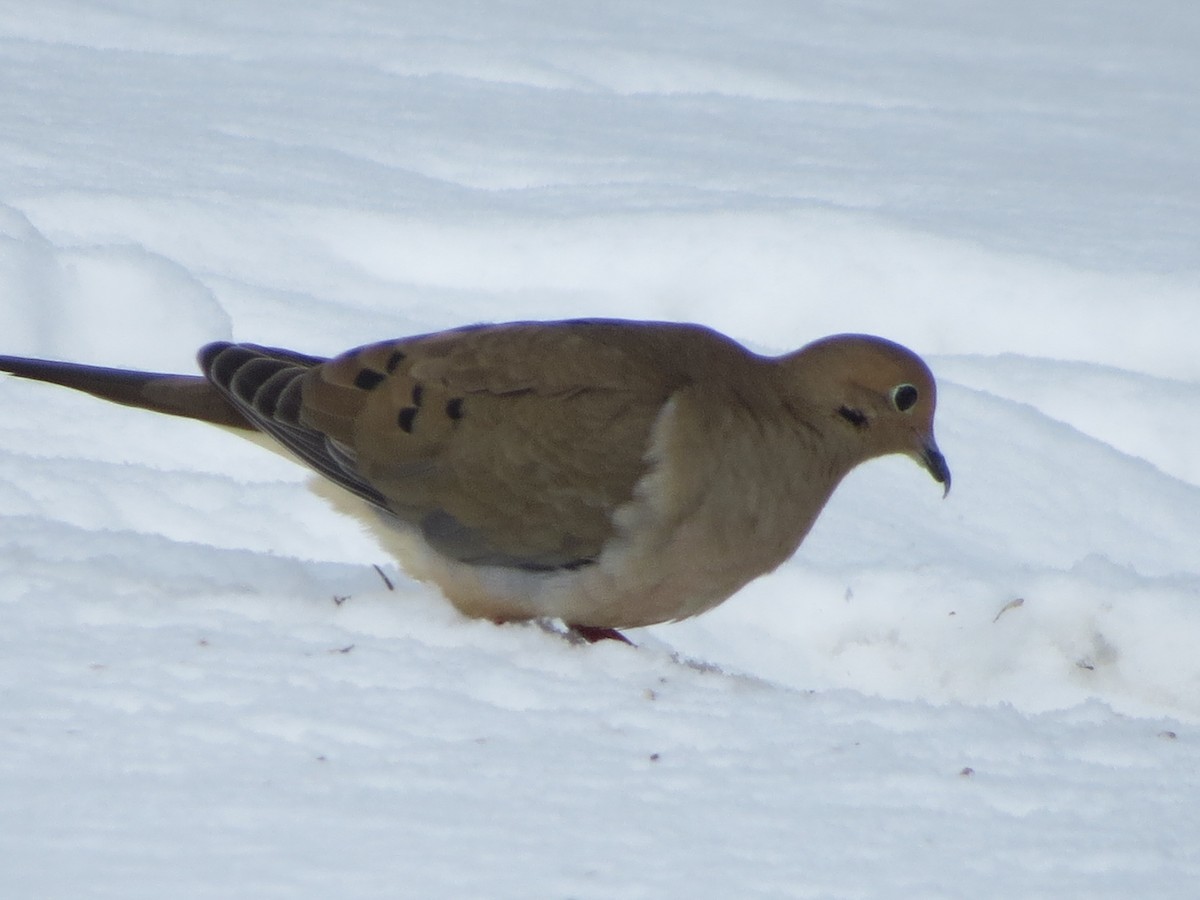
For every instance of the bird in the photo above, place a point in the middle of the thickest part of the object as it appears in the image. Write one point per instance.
(606, 473)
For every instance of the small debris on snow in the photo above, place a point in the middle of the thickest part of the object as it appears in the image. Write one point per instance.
(1011, 604)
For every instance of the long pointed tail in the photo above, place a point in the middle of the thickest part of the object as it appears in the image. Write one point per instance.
(190, 396)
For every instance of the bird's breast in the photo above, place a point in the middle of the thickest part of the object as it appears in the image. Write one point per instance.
(724, 500)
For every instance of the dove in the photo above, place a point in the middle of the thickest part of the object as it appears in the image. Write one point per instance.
(607, 473)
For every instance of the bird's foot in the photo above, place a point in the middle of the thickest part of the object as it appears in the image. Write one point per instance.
(577, 634)
(593, 633)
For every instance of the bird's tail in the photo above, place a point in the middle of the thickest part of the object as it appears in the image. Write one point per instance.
(190, 396)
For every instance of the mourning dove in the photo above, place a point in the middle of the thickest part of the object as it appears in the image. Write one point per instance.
(611, 474)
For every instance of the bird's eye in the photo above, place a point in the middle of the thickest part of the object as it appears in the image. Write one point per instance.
(904, 397)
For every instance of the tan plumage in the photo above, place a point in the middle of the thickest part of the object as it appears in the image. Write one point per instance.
(611, 474)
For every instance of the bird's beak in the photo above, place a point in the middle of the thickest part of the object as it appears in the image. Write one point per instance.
(931, 457)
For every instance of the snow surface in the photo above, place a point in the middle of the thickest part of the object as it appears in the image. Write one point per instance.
(209, 692)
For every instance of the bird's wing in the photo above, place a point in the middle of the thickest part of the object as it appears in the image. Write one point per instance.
(506, 445)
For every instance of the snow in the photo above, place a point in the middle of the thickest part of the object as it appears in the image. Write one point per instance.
(210, 692)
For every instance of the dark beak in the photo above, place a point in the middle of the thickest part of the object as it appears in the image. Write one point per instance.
(933, 460)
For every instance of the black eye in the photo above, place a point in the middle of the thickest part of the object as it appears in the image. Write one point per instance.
(904, 397)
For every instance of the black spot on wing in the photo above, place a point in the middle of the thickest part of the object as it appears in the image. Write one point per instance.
(394, 360)
(454, 409)
(368, 379)
(418, 394)
(406, 418)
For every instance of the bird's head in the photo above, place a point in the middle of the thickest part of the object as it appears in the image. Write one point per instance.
(873, 396)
